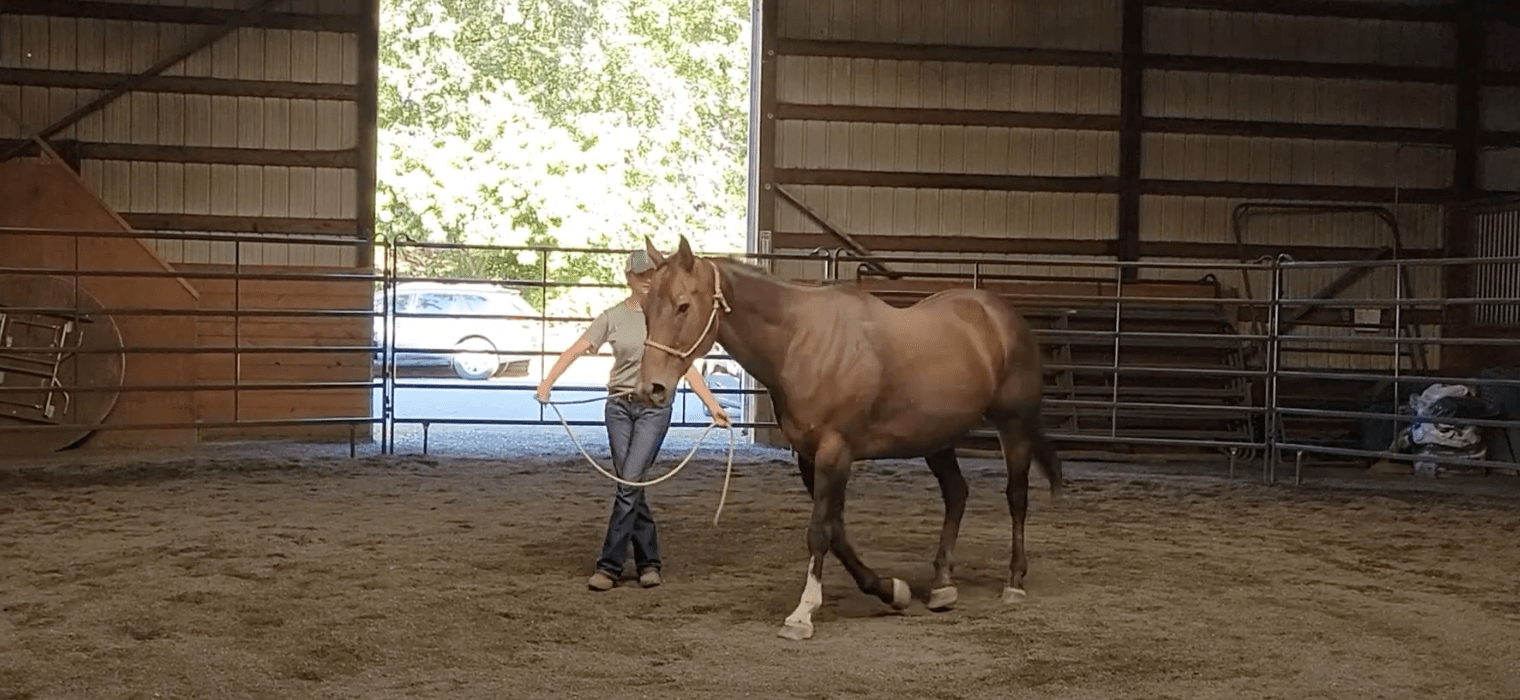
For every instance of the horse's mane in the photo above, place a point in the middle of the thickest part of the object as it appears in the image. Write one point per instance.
(755, 271)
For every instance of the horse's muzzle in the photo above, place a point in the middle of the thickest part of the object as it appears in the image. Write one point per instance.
(654, 394)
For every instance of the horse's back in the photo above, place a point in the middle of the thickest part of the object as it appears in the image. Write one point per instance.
(979, 306)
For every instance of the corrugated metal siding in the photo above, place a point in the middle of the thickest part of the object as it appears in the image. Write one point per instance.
(1073, 24)
(1298, 100)
(1085, 25)
(146, 118)
(1328, 39)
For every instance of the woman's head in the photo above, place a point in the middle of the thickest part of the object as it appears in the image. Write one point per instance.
(638, 272)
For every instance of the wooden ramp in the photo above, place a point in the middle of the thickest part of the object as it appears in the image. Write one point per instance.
(44, 194)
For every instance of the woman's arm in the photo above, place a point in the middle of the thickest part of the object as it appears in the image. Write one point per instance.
(566, 358)
(699, 385)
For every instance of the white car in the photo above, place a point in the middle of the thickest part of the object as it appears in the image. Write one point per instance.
(461, 325)
(724, 373)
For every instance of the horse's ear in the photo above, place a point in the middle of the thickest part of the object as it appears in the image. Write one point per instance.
(654, 253)
(684, 256)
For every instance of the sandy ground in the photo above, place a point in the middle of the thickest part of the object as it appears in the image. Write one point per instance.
(259, 574)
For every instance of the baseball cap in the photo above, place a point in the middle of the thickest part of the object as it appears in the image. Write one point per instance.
(638, 261)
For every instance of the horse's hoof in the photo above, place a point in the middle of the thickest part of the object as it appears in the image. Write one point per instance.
(943, 598)
(1013, 595)
(902, 595)
(797, 631)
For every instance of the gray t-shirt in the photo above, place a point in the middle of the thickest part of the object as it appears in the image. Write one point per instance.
(623, 328)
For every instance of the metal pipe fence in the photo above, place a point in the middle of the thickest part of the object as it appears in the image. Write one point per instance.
(1140, 356)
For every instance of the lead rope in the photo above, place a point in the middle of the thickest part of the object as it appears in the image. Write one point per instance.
(727, 474)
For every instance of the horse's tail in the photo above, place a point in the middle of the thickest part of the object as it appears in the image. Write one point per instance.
(1043, 453)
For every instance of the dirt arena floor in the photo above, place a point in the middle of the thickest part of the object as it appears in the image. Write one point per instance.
(247, 575)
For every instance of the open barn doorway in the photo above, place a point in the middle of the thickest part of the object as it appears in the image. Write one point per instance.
(524, 149)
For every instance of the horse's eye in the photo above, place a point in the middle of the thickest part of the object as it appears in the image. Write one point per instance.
(683, 307)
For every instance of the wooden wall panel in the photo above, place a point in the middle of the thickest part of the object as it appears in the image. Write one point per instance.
(315, 296)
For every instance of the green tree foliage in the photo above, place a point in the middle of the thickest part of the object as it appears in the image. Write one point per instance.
(573, 123)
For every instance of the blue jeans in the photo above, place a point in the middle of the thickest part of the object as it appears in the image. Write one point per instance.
(635, 432)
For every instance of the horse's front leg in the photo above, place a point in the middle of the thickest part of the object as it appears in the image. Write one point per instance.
(831, 475)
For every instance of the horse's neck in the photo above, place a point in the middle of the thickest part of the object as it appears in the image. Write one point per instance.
(756, 329)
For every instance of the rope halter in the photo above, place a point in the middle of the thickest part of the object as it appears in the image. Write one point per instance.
(712, 318)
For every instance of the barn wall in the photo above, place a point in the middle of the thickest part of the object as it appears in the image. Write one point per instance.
(265, 131)
(978, 127)
(260, 132)
(1500, 161)
(994, 127)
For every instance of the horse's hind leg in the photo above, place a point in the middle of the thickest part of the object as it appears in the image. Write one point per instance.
(1012, 433)
(952, 485)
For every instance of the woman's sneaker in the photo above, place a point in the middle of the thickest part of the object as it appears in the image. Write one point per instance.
(600, 581)
(650, 578)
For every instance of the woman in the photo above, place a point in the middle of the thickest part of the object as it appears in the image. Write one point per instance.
(634, 430)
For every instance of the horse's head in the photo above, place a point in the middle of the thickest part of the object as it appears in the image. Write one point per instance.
(681, 319)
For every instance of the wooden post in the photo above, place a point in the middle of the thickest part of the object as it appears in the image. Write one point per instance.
(1131, 106)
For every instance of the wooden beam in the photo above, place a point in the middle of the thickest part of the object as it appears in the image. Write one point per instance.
(1290, 130)
(1283, 191)
(1468, 42)
(1344, 9)
(942, 52)
(818, 218)
(947, 117)
(26, 77)
(1109, 185)
(1131, 147)
(767, 198)
(147, 223)
(1299, 69)
(1017, 244)
(1107, 59)
(1469, 93)
(87, 150)
(1111, 122)
(953, 181)
(1009, 244)
(1499, 78)
(131, 12)
(368, 116)
(1499, 139)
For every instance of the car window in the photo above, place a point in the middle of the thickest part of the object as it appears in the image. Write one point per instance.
(468, 304)
(432, 303)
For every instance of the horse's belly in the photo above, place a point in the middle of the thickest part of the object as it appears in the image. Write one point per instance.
(922, 431)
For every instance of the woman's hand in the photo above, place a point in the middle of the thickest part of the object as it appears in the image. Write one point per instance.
(719, 415)
(543, 391)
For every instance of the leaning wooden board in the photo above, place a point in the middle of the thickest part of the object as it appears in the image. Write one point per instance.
(89, 375)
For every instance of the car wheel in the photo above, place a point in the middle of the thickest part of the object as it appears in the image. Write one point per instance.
(475, 358)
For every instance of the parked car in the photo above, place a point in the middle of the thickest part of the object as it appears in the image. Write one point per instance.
(453, 327)
(724, 374)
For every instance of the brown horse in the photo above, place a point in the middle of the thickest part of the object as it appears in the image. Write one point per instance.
(854, 378)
